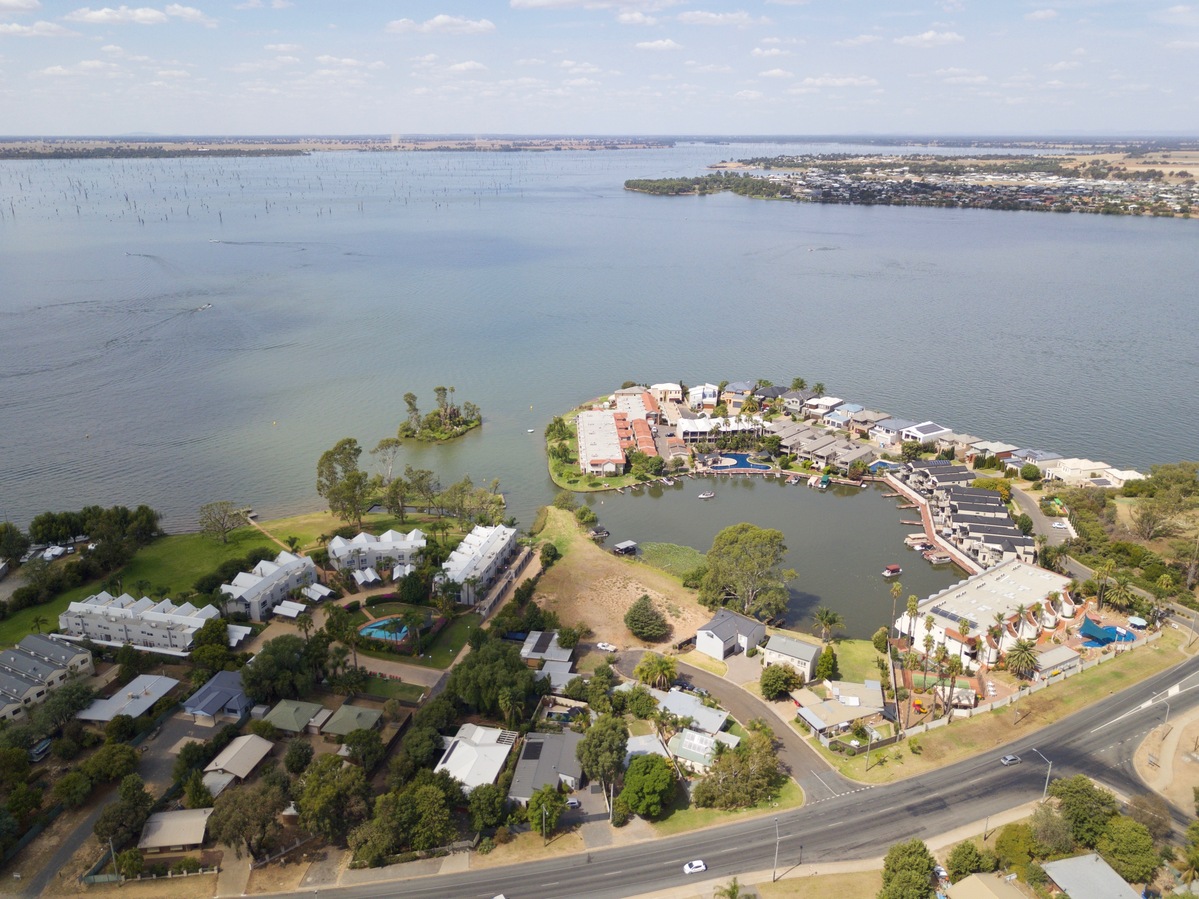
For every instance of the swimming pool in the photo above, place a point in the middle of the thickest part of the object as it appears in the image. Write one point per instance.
(1113, 636)
(740, 463)
(379, 630)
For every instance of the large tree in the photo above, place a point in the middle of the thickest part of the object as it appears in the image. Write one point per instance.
(13, 543)
(741, 777)
(480, 678)
(332, 798)
(546, 806)
(1086, 807)
(219, 519)
(248, 818)
(649, 785)
(908, 871)
(347, 489)
(278, 672)
(645, 622)
(1128, 847)
(743, 571)
(656, 670)
(601, 751)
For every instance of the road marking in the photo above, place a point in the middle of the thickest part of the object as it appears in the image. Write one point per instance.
(1174, 690)
(826, 786)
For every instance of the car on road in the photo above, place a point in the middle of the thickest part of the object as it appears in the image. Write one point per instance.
(573, 803)
(606, 647)
(1060, 525)
(1010, 760)
(695, 867)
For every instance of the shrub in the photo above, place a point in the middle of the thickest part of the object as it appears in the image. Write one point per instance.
(186, 865)
(353, 605)
(645, 622)
(503, 835)
(486, 846)
(778, 680)
(621, 813)
(549, 555)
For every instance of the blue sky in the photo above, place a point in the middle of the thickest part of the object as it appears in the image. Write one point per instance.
(600, 67)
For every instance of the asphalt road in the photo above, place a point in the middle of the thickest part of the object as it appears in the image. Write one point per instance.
(1098, 741)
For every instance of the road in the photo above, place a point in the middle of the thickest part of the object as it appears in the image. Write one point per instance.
(1098, 741)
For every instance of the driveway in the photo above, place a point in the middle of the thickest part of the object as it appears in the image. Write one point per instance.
(1041, 523)
(158, 759)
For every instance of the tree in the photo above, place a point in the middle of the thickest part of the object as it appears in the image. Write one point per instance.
(488, 806)
(72, 789)
(545, 807)
(219, 519)
(195, 794)
(656, 670)
(332, 798)
(1051, 831)
(649, 785)
(61, 706)
(1022, 658)
(645, 622)
(479, 679)
(778, 680)
(549, 555)
(121, 729)
(908, 871)
(601, 751)
(1086, 807)
(13, 543)
(365, 747)
(731, 890)
(880, 639)
(964, 859)
(1128, 847)
(346, 488)
(1025, 523)
(827, 620)
(277, 672)
(743, 571)
(386, 451)
(1151, 810)
(112, 761)
(1030, 472)
(741, 777)
(129, 863)
(38, 622)
(123, 819)
(826, 665)
(247, 818)
(298, 756)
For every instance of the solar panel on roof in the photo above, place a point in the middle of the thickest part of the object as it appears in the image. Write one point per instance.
(544, 641)
(532, 751)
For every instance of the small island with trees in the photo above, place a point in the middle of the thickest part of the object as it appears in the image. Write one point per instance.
(445, 422)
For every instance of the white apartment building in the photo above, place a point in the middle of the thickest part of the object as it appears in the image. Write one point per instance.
(478, 559)
(368, 551)
(256, 593)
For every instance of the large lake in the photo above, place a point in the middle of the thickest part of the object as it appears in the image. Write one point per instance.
(340, 281)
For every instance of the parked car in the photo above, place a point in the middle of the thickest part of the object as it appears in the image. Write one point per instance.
(606, 647)
(695, 867)
(1010, 760)
(1060, 525)
(573, 803)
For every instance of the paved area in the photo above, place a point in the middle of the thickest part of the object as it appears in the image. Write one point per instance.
(231, 880)
(742, 669)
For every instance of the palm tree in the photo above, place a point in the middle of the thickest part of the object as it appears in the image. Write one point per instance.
(941, 659)
(819, 388)
(911, 662)
(964, 629)
(798, 384)
(510, 705)
(1022, 658)
(141, 585)
(731, 890)
(305, 623)
(656, 670)
(38, 622)
(1120, 594)
(913, 608)
(1103, 573)
(413, 619)
(293, 544)
(827, 620)
(953, 668)
(929, 641)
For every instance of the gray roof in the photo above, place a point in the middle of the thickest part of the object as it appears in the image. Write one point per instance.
(895, 424)
(222, 691)
(726, 624)
(47, 647)
(1088, 877)
(687, 705)
(543, 759)
(543, 645)
(796, 649)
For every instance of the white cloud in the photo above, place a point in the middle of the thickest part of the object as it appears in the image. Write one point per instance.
(37, 29)
(283, 48)
(190, 14)
(1041, 15)
(709, 68)
(122, 15)
(345, 62)
(839, 81)
(635, 17)
(442, 24)
(649, 5)
(19, 5)
(739, 19)
(55, 71)
(747, 95)
(664, 44)
(776, 73)
(860, 41)
(469, 66)
(578, 68)
(173, 73)
(581, 82)
(766, 52)
(930, 39)
(530, 61)
(1064, 65)
(1182, 45)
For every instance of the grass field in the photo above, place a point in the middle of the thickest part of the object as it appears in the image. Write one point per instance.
(393, 689)
(856, 659)
(682, 818)
(675, 560)
(824, 886)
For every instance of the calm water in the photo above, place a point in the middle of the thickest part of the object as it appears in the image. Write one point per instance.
(531, 281)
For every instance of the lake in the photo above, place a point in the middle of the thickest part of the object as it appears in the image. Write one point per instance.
(530, 282)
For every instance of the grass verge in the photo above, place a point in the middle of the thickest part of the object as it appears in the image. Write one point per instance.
(824, 886)
(707, 663)
(682, 818)
(394, 689)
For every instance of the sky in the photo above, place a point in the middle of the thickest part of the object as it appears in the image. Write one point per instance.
(600, 67)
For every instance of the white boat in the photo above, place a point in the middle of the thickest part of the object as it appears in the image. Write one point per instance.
(892, 571)
(708, 495)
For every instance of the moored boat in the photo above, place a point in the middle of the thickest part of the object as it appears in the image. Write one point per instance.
(892, 571)
(707, 495)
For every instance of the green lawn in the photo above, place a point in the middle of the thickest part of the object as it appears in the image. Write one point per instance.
(856, 658)
(675, 560)
(682, 818)
(389, 609)
(310, 527)
(394, 689)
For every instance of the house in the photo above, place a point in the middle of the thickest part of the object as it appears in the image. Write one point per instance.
(991, 448)
(704, 718)
(368, 551)
(697, 751)
(221, 696)
(293, 610)
(1057, 660)
(35, 668)
(667, 393)
(600, 449)
(705, 430)
(703, 397)
(476, 755)
(845, 459)
(794, 400)
(886, 432)
(729, 632)
(543, 646)
(155, 625)
(820, 406)
(137, 698)
(295, 717)
(318, 592)
(848, 702)
(984, 886)
(1074, 472)
(638, 405)
(735, 394)
(925, 432)
(799, 654)
(646, 744)
(1088, 877)
(1039, 458)
(476, 562)
(241, 756)
(767, 395)
(367, 577)
(255, 593)
(179, 831)
(546, 760)
(863, 422)
(843, 415)
(350, 718)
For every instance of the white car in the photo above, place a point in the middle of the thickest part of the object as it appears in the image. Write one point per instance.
(1060, 525)
(573, 803)
(695, 867)
(606, 647)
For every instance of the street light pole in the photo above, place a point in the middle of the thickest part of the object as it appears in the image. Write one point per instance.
(774, 870)
(1044, 792)
(1167, 721)
(544, 840)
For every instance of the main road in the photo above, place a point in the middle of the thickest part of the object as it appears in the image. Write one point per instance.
(1098, 741)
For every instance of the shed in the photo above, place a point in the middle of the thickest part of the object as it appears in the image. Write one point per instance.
(138, 697)
(179, 831)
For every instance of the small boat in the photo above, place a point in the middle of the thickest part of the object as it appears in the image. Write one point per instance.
(937, 557)
(794, 479)
(667, 482)
(892, 571)
(531, 430)
(707, 495)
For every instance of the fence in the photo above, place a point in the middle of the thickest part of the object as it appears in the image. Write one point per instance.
(258, 863)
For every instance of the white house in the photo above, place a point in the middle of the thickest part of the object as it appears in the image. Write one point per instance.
(368, 551)
(820, 406)
(799, 654)
(35, 668)
(476, 755)
(601, 451)
(477, 560)
(667, 393)
(703, 397)
(728, 632)
(924, 432)
(887, 431)
(155, 625)
(256, 593)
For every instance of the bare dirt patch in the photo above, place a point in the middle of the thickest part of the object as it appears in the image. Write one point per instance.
(593, 587)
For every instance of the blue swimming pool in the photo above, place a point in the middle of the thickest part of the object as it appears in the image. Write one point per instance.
(1113, 636)
(740, 462)
(379, 630)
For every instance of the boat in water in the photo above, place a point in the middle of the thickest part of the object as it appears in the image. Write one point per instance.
(892, 571)
(707, 495)
(938, 557)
